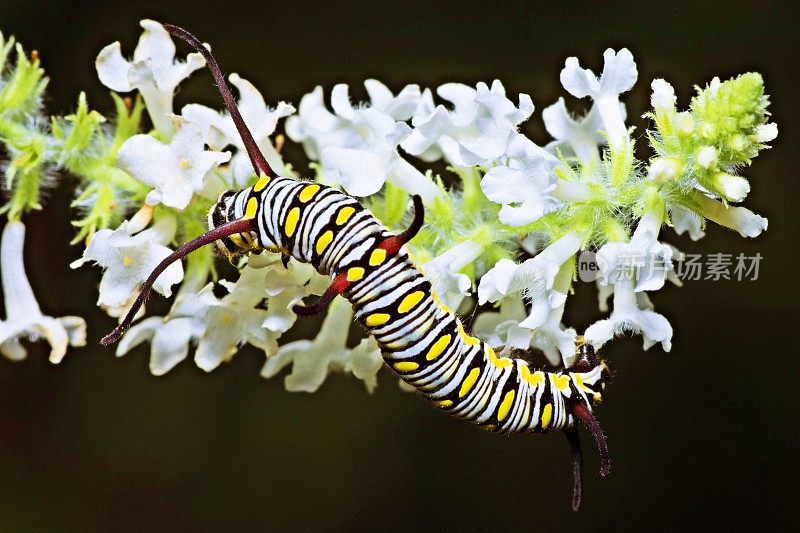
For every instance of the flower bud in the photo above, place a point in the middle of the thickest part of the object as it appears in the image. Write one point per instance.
(732, 188)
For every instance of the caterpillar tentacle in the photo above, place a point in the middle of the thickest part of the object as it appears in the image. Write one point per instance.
(420, 338)
(574, 440)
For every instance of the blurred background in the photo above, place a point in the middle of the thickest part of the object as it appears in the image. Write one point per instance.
(706, 435)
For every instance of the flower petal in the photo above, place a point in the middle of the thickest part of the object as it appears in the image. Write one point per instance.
(112, 68)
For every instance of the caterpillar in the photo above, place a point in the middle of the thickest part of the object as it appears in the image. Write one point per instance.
(420, 338)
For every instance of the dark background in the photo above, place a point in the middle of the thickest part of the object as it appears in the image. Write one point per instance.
(705, 436)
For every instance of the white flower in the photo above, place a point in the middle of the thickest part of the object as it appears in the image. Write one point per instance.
(707, 156)
(177, 170)
(643, 260)
(153, 71)
(357, 146)
(523, 185)
(313, 360)
(169, 340)
(684, 220)
(732, 188)
(504, 329)
(477, 131)
(581, 135)
(534, 278)
(169, 337)
(284, 287)
(663, 95)
(628, 315)
(24, 318)
(741, 219)
(444, 272)
(229, 321)
(492, 326)
(128, 260)
(219, 326)
(219, 130)
(766, 132)
(556, 342)
(619, 75)
(663, 169)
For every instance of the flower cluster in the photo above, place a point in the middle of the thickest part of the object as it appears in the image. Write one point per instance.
(505, 222)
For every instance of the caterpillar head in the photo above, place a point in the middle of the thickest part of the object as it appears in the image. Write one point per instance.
(230, 206)
(586, 361)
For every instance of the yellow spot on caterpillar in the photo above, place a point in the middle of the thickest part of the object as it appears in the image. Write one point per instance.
(505, 406)
(344, 215)
(250, 210)
(355, 274)
(561, 382)
(377, 319)
(444, 403)
(468, 339)
(291, 221)
(323, 242)
(488, 427)
(377, 256)
(438, 347)
(504, 362)
(597, 397)
(126, 260)
(308, 192)
(406, 366)
(410, 301)
(261, 184)
(469, 382)
(534, 379)
(547, 415)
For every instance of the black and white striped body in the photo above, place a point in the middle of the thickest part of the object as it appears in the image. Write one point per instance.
(420, 338)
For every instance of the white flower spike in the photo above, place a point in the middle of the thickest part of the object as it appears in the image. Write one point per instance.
(619, 75)
(176, 170)
(153, 72)
(24, 318)
(477, 131)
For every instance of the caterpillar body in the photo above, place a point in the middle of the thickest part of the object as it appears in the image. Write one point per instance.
(420, 338)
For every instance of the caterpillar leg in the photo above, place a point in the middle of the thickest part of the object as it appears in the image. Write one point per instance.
(574, 439)
(339, 285)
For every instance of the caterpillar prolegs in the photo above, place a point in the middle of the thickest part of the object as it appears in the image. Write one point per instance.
(421, 339)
